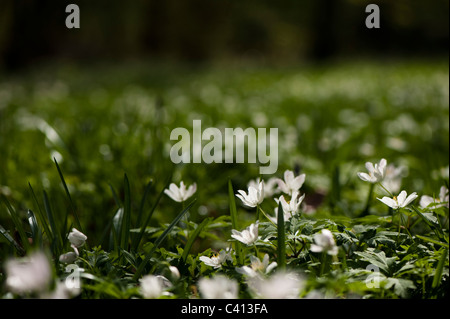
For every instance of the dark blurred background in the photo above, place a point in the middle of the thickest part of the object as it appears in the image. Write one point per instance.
(267, 31)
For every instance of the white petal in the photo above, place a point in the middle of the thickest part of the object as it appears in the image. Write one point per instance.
(401, 198)
(409, 199)
(389, 201)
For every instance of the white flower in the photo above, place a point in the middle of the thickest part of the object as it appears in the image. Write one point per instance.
(217, 260)
(70, 257)
(28, 274)
(180, 194)
(270, 187)
(248, 236)
(428, 201)
(61, 291)
(278, 286)
(174, 272)
(257, 266)
(290, 183)
(376, 172)
(399, 201)
(393, 177)
(218, 287)
(255, 195)
(324, 242)
(293, 205)
(153, 287)
(77, 238)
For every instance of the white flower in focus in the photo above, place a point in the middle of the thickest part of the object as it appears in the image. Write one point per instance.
(70, 257)
(270, 186)
(257, 266)
(153, 287)
(428, 201)
(218, 287)
(180, 194)
(248, 236)
(217, 260)
(290, 183)
(77, 238)
(292, 207)
(376, 172)
(324, 242)
(28, 274)
(255, 195)
(399, 201)
(278, 286)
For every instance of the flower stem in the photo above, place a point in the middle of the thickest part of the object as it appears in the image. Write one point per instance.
(265, 215)
(322, 264)
(365, 212)
(385, 189)
(257, 212)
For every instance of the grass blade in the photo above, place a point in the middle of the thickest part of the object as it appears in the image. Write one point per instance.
(41, 216)
(160, 239)
(56, 243)
(193, 237)
(136, 238)
(36, 233)
(281, 239)
(18, 223)
(72, 206)
(440, 268)
(126, 218)
(234, 221)
(139, 236)
(11, 240)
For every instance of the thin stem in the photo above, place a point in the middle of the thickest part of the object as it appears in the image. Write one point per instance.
(256, 250)
(265, 215)
(385, 189)
(257, 212)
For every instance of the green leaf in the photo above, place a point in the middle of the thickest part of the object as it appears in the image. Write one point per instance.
(377, 258)
(234, 222)
(11, 240)
(18, 223)
(281, 238)
(126, 218)
(160, 240)
(440, 268)
(193, 236)
(400, 285)
(138, 238)
(431, 240)
(41, 216)
(72, 205)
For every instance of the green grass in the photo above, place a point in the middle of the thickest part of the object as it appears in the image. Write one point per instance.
(89, 148)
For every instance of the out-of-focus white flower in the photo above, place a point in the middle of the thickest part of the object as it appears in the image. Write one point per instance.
(283, 285)
(292, 207)
(30, 274)
(153, 287)
(324, 242)
(257, 266)
(431, 202)
(217, 260)
(175, 273)
(393, 177)
(376, 172)
(270, 186)
(61, 291)
(70, 257)
(218, 287)
(291, 183)
(255, 195)
(77, 238)
(399, 201)
(248, 236)
(180, 194)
